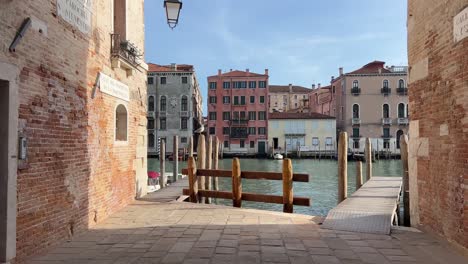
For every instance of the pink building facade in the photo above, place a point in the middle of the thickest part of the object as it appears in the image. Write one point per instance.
(238, 111)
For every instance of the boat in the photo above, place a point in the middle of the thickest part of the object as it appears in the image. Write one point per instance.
(278, 156)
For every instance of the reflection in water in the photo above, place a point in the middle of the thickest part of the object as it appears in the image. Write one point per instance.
(321, 189)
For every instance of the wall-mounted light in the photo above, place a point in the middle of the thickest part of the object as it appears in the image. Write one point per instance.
(173, 8)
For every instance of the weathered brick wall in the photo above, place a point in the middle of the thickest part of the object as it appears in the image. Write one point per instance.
(75, 174)
(438, 95)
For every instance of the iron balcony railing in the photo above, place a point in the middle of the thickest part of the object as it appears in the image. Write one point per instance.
(125, 50)
(239, 121)
(356, 121)
(403, 121)
(402, 90)
(386, 121)
(386, 90)
(355, 91)
(150, 114)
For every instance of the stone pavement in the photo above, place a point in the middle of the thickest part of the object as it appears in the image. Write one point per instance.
(177, 232)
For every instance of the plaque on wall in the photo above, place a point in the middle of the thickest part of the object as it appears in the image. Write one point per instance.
(77, 13)
(460, 25)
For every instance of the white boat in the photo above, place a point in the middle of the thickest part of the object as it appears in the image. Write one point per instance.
(278, 156)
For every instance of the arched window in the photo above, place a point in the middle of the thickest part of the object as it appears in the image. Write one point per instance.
(355, 84)
(385, 84)
(401, 83)
(163, 103)
(355, 111)
(398, 135)
(183, 105)
(385, 111)
(151, 103)
(150, 140)
(121, 123)
(401, 110)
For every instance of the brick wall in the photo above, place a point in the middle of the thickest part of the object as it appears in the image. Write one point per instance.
(438, 96)
(75, 174)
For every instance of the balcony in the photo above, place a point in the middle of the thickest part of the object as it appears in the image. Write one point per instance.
(386, 136)
(402, 91)
(356, 121)
(239, 132)
(354, 136)
(386, 121)
(402, 121)
(385, 91)
(124, 54)
(355, 91)
(239, 122)
(150, 114)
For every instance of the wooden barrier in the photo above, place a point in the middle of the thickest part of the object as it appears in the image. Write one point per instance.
(162, 164)
(215, 163)
(175, 158)
(342, 167)
(358, 175)
(237, 196)
(190, 147)
(193, 185)
(406, 195)
(209, 158)
(201, 159)
(368, 154)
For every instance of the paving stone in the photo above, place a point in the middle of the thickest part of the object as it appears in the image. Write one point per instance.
(208, 244)
(372, 258)
(345, 254)
(364, 249)
(315, 243)
(228, 243)
(318, 259)
(320, 251)
(400, 258)
(249, 248)
(294, 246)
(173, 258)
(225, 250)
(201, 252)
(272, 249)
(274, 258)
(182, 247)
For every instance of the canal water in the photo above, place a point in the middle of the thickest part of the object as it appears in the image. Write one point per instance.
(321, 188)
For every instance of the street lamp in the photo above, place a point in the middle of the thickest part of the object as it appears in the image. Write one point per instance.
(173, 8)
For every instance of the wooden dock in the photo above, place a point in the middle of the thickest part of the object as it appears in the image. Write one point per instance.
(371, 209)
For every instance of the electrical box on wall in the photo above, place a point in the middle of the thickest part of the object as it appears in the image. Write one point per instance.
(22, 148)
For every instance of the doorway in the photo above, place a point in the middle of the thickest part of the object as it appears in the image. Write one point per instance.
(275, 143)
(261, 148)
(398, 135)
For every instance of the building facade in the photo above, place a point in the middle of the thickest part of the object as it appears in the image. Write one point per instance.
(311, 132)
(438, 92)
(285, 98)
(174, 105)
(238, 111)
(72, 91)
(373, 103)
(323, 100)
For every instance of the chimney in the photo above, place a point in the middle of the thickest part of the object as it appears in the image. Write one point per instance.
(219, 72)
(247, 70)
(313, 86)
(290, 88)
(266, 71)
(230, 70)
(341, 71)
(174, 66)
(332, 78)
(318, 86)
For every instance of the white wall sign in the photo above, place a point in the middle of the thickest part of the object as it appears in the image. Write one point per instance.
(77, 13)
(460, 25)
(113, 87)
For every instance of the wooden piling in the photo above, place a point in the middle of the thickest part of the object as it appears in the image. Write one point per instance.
(287, 186)
(236, 183)
(209, 159)
(192, 175)
(358, 174)
(342, 167)
(215, 162)
(368, 154)
(190, 147)
(201, 159)
(162, 163)
(406, 195)
(175, 155)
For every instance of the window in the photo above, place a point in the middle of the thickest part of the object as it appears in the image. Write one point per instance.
(262, 99)
(236, 100)
(385, 84)
(162, 123)
(401, 110)
(252, 84)
(252, 131)
(119, 16)
(162, 80)
(150, 140)
(213, 99)
(239, 85)
(252, 144)
(151, 103)
(252, 115)
(386, 144)
(356, 144)
(315, 141)
(356, 132)
(333, 89)
(183, 105)
(226, 85)
(242, 115)
(262, 84)
(242, 144)
(295, 96)
(226, 100)
(262, 131)
(212, 130)
(212, 116)
(183, 140)
(184, 80)
(212, 85)
(355, 111)
(226, 144)
(261, 115)
(183, 123)
(226, 115)
(328, 141)
(295, 104)
(244, 84)
(121, 123)
(386, 132)
(385, 111)
(150, 124)
(225, 130)
(163, 104)
(355, 84)
(252, 99)
(401, 83)
(242, 100)
(150, 80)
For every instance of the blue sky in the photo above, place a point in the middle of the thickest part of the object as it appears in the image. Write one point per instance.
(299, 41)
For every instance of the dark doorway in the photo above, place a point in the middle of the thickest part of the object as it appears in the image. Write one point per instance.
(261, 148)
(275, 143)
(398, 135)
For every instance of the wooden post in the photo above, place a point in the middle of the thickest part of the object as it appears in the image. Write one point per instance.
(406, 195)
(201, 159)
(287, 186)
(162, 163)
(358, 175)
(236, 183)
(190, 148)
(342, 167)
(209, 159)
(192, 175)
(368, 153)
(175, 155)
(215, 162)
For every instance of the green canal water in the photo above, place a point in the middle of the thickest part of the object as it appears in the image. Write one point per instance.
(321, 188)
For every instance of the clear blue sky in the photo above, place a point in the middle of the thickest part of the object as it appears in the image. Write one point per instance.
(299, 41)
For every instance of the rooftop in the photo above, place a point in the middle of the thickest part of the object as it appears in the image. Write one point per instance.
(238, 73)
(285, 89)
(378, 67)
(289, 115)
(170, 68)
